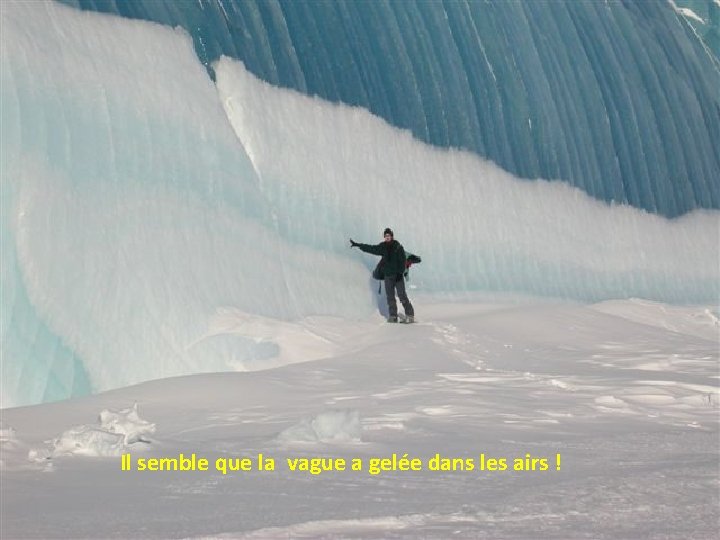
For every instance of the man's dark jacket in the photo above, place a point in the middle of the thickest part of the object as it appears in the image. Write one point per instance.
(393, 256)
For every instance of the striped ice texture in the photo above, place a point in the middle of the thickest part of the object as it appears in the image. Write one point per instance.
(619, 98)
(139, 197)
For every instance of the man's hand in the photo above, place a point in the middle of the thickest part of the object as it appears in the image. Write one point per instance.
(353, 243)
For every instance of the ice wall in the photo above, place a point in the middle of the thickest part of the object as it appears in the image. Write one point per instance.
(327, 167)
(139, 199)
(131, 213)
(618, 98)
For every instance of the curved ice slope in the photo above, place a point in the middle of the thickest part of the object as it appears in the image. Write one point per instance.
(130, 213)
(133, 211)
(477, 226)
(618, 98)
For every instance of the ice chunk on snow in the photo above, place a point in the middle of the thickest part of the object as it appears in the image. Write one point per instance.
(116, 431)
(7, 434)
(338, 426)
(88, 440)
(127, 423)
(7, 440)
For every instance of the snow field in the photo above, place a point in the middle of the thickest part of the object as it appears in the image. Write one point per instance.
(638, 446)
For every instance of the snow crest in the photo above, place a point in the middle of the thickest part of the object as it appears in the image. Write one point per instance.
(329, 426)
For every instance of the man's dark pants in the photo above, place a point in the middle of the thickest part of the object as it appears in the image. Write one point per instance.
(393, 283)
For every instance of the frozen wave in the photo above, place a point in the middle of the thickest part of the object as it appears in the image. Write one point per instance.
(331, 167)
(133, 212)
(617, 98)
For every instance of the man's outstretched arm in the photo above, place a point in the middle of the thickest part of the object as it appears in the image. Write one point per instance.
(367, 248)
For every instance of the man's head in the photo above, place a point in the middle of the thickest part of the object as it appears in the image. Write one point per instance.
(388, 234)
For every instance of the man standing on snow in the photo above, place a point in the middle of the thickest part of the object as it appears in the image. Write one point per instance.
(393, 268)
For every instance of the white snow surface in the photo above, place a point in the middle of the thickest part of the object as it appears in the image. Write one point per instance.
(626, 392)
